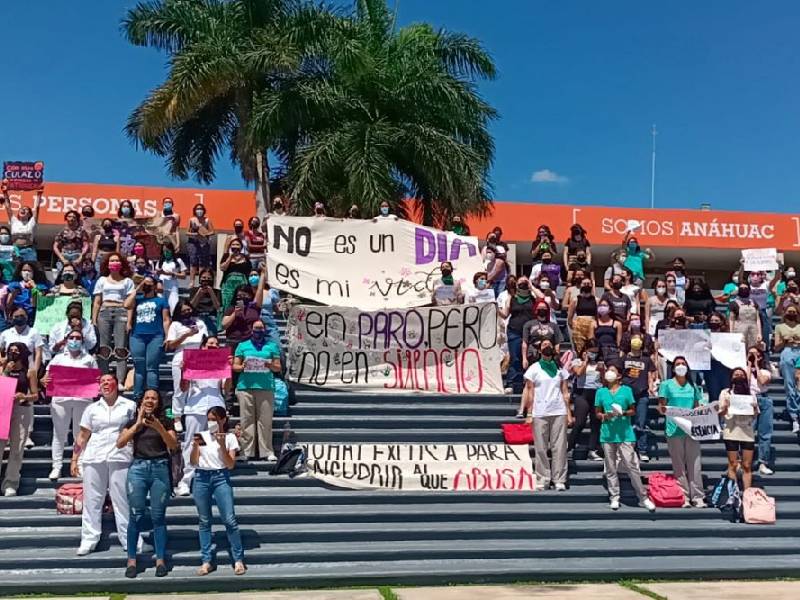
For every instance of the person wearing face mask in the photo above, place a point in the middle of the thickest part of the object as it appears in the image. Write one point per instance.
(518, 310)
(109, 314)
(548, 395)
(198, 235)
(71, 244)
(789, 295)
(23, 292)
(67, 284)
(497, 269)
(385, 212)
(214, 455)
(718, 377)
(614, 407)
(127, 226)
(547, 268)
(607, 330)
(481, 292)
(729, 290)
(542, 291)
(170, 269)
(67, 410)
(74, 320)
(635, 257)
(633, 329)
(588, 372)
(656, 305)
(186, 331)
(581, 314)
(256, 243)
(319, 209)
(579, 266)
(206, 301)
(699, 302)
(620, 303)
(22, 333)
(577, 249)
(544, 242)
(617, 267)
(255, 360)
(505, 296)
(458, 226)
(745, 317)
(684, 452)
(16, 365)
(169, 214)
(239, 319)
(636, 294)
(639, 375)
(8, 254)
(762, 297)
(354, 212)
(148, 324)
(760, 375)
(536, 331)
(738, 431)
(191, 404)
(787, 342)
(278, 206)
(23, 224)
(105, 242)
(678, 272)
(447, 290)
(4, 324)
(573, 288)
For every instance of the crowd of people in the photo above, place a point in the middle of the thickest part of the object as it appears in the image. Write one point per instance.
(150, 297)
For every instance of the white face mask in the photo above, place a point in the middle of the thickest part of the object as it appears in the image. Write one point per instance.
(681, 370)
(213, 427)
(611, 376)
(544, 285)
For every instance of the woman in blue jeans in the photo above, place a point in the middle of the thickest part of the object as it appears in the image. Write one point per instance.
(154, 438)
(760, 376)
(214, 456)
(148, 323)
(518, 310)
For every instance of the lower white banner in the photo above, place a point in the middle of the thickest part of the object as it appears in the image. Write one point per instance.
(701, 423)
(423, 467)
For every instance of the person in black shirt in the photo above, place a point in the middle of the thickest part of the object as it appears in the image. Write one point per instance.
(620, 303)
(577, 248)
(639, 373)
(153, 437)
(699, 303)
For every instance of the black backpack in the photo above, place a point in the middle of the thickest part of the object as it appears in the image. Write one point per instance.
(292, 461)
(727, 497)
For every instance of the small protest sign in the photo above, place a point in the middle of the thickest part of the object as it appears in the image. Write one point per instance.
(212, 363)
(741, 404)
(256, 365)
(760, 259)
(24, 176)
(74, 382)
(728, 348)
(6, 253)
(701, 423)
(692, 344)
(51, 310)
(8, 391)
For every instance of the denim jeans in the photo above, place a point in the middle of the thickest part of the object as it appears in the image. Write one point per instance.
(514, 375)
(498, 287)
(27, 254)
(765, 315)
(112, 333)
(641, 421)
(147, 351)
(717, 379)
(215, 486)
(764, 428)
(211, 323)
(788, 358)
(148, 476)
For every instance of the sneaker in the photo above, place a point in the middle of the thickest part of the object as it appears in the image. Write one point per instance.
(614, 505)
(508, 391)
(29, 442)
(648, 504)
(183, 490)
(594, 456)
(271, 457)
(177, 425)
(86, 548)
(560, 487)
(55, 473)
(699, 503)
(9, 492)
(795, 427)
(538, 488)
(644, 458)
(520, 414)
(765, 470)
(686, 504)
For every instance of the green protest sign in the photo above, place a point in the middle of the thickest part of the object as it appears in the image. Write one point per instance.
(53, 309)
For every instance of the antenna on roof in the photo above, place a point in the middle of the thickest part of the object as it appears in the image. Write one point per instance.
(653, 170)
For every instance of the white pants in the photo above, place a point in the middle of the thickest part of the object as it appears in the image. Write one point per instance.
(192, 424)
(64, 413)
(177, 394)
(99, 479)
(171, 293)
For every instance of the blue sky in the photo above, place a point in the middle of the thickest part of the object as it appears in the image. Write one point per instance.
(581, 83)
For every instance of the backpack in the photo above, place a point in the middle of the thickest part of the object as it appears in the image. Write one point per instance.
(281, 398)
(69, 499)
(664, 491)
(758, 508)
(176, 467)
(727, 497)
(292, 461)
(517, 433)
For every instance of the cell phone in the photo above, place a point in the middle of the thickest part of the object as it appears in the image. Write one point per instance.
(240, 304)
(199, 439)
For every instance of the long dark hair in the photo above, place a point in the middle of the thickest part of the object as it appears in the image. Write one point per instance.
(688, 369)
(125, 270)
(176, 314)
(222, 416)
(38, 273)
(159, 411)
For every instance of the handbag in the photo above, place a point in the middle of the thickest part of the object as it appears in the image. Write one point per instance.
(517, 433)
(758, 508)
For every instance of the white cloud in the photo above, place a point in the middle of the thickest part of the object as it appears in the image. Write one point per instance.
(548, 176)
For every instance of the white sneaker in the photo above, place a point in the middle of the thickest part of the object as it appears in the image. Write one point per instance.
(594, 456)
(508, 391)
(614, 505)
(29, 442)
(86, 548)
(644, 458)
(271, 457)
(183, 490)
(560, 487)
(55, 473)
(765, 470)
(699, 503)
(648, 504)
(177, 425)
(9, 492)
(795, 427)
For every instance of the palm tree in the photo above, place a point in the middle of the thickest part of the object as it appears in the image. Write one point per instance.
(378, 113)
(223, 56)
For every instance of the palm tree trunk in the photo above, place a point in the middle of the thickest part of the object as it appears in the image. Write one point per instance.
(427, 212)
(263, 199)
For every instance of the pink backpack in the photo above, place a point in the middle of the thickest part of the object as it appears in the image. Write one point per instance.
(758, 508)
(69, 499)
(664, 491)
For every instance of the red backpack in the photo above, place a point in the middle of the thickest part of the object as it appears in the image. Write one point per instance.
(664, 491)
(69, 499)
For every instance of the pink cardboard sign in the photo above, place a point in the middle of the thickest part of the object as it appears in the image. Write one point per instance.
(74, 382)
(8, 389)
(212, 363)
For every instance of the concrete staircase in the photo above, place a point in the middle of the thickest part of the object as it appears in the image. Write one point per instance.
(300, 533)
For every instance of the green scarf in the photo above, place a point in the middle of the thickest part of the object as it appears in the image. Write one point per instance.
(549, 366)
(447, 279)
(522, 299)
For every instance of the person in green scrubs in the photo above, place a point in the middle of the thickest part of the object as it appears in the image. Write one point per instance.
(683, 450)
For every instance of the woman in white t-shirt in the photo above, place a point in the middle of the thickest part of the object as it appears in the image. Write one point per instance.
(548, 393)
(23, 225)
(109, 314)
(214, 456)
(170, 269)
(186, 331)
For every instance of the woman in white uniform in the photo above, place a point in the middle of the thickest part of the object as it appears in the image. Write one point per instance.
(195, 400)
(186, 332)
(170, 268)
(104, 466)
(65, 410)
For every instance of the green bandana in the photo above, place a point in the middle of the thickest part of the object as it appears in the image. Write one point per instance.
(447, 279)
(522, 299)
(549, 366)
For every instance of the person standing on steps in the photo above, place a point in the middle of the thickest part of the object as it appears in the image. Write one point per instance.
(787, 342)
(683, 450)
(153, 438)
(17, 366)
(639, 375)
(199, 234)
(548, 391)
(109, 314)
(738, 431)
(588, 379)
(760, 376)
(213, 455)
(148, 325)
(104, 467)
(614, 406)
(518, 310)
(23, 224)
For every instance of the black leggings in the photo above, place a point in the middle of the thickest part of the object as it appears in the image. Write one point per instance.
(583, 406)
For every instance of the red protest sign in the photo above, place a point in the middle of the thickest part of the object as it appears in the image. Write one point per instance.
(74, 382)
(23, 175)
(211, 363)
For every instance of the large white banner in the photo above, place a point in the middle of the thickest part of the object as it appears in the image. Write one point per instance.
(446, 350)
(701, 423)
(693, 344)
(728, 348)
(371, 264)
(423, 467)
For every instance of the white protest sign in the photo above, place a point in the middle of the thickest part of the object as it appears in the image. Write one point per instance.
(632, 225)
(728, 348)
(741, 404)
(701, 423)
(760, 259)
(423, 467)
(373, 265)
(256, 365)
(480, 296)
(693, 344)
(6, 253)
(443, 349)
